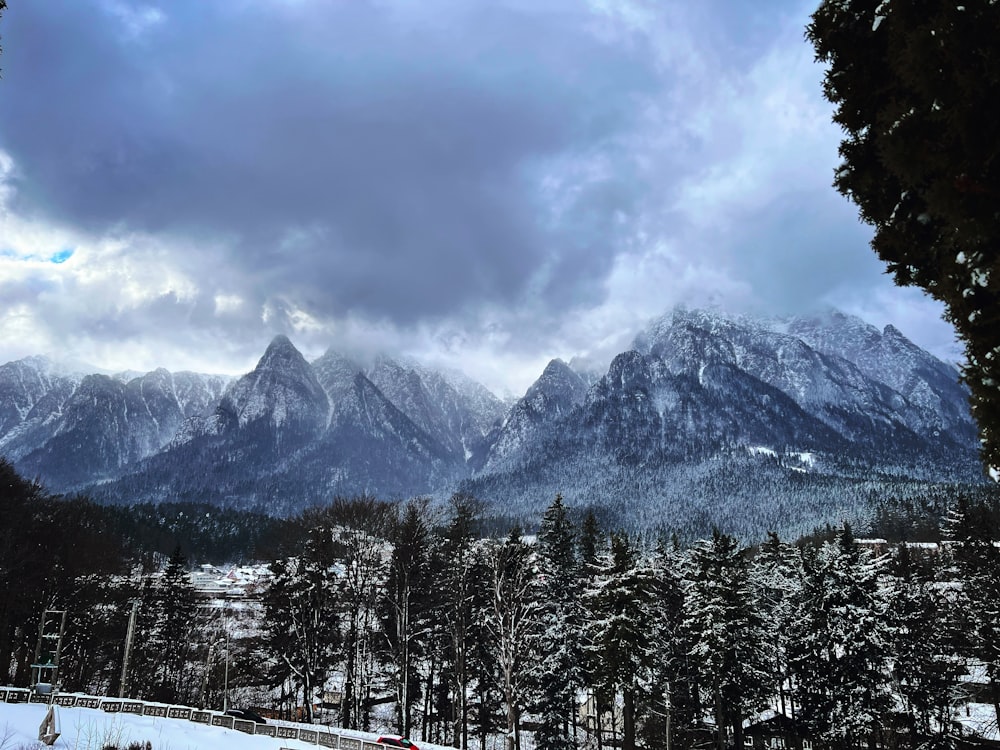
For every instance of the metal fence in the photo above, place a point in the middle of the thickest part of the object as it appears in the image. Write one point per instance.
(310, 733)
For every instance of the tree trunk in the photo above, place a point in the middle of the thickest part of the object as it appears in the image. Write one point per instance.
(720, 724)
(425, 729)
(404, 693)
(737, 726)
(628, 719)
(666, 715)
(511, 740)
(599, 726)
(347, 717)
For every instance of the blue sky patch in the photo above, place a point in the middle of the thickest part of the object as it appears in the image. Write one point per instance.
(62, 256)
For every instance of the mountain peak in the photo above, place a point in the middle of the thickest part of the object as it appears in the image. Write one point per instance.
(893, 332)
(282, 389)
(558, 380)
(280, 348)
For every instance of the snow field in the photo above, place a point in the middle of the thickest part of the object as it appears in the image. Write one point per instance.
(92, 729)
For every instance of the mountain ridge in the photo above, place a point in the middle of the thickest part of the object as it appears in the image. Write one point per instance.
(699, 391)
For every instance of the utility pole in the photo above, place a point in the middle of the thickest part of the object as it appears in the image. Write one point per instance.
(128, 646)
(225, 686)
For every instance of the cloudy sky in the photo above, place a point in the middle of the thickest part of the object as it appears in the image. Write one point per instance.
(484, 184)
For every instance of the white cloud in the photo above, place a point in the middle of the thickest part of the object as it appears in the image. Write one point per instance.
(135, 20)
(716, 138)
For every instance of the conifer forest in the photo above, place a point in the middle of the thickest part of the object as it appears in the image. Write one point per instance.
(386, 616)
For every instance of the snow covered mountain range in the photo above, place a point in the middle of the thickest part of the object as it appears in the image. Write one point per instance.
(750, 424)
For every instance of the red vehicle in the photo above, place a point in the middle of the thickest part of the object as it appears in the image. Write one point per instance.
(397, 742)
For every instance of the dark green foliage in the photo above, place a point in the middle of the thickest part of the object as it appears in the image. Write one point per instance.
(405, 607)
(840, 646)
(621, 632)
(728, 639)
(927, 627)
(50, 552)
(558, 641)
(915, 89)
(204, 533)
(301, 618)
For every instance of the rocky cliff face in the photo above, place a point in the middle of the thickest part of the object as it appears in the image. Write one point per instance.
(707, 418)
(751, 424)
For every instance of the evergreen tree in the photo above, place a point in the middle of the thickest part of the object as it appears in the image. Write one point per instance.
(972, 530)
(301, 617)
(776, 579)
(926, 631)
(175, 629)
(840, 645)
(914, 85)
(461, 575)
(673, 701)
(621, 638)
(405, 607)
(727, 633)
(559, 670)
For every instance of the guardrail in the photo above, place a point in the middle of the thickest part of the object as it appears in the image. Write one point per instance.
(310, 733)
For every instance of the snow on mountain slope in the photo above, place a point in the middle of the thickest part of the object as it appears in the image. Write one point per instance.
(555, 393)
(706, 410)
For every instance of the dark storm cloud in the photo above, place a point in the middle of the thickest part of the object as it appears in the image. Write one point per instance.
(484, 183)
(801, 246)
(351, 156)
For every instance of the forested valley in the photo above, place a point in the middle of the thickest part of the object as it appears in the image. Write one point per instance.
(409, 618)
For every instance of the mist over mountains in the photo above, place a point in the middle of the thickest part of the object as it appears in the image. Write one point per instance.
(749, 424)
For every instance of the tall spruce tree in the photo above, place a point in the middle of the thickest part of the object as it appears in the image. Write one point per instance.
(776, 578)
(971, 529)
(673, 706)
(175, 629)
(405, 607)
(728, 638)
(914, 86)
(926, 631)
(840, 645)
(301, 616)
(461, 575)
(559, 669)
(620, 642)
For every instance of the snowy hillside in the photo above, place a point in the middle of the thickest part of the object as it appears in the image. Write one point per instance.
(704, 415)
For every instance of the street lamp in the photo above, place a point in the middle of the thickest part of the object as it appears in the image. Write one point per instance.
(128, 646)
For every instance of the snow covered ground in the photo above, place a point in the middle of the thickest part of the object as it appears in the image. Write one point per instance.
(92, 729)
